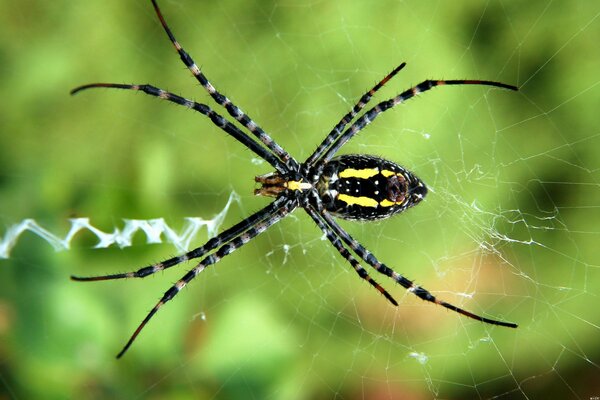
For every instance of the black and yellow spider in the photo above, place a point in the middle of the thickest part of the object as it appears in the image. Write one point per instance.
(352, 187)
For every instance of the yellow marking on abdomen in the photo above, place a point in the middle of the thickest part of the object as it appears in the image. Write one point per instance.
(364, 173)
(362, 201)
(387, 173)
(387, 203)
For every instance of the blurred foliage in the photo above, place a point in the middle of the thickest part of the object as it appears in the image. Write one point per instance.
(511, 220)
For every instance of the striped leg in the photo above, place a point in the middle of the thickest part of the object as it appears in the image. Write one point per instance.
(370, 115)
(217, 119)
(420, 292)
(223, 101)
(224, 237)
(335, 241)
(346, 119)
(226, 249)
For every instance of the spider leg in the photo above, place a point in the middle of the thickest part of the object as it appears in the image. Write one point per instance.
(223, 101)
(226, 249)
(335, 241)
(217, 119)
(224, 237)
(371, 114)
(346, 119)
(420, 292)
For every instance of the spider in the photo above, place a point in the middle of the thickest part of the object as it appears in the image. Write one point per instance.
(351, 186)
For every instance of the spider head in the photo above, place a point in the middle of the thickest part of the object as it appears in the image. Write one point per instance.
(274, 184)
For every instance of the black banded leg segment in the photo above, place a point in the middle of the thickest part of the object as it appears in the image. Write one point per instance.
(223, 101)
(346, 119)
(335, 241)
(420, 292)
(226, 249)
(372, 113)
(216, 118)
(224, 237)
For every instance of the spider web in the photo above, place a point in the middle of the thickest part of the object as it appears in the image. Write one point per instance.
(508, 230)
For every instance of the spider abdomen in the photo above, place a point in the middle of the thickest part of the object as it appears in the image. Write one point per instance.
(363, 187)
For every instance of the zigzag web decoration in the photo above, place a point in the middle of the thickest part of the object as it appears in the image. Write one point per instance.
(156, 231)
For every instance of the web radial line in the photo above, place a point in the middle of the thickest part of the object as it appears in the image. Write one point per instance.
(226, 249)
(224, 237)
(419, 291)
(335, 241)
(346, 119)
(223, 101)
(216, 118)
(372, 113)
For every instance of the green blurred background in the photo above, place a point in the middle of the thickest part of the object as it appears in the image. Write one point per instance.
(510, 229)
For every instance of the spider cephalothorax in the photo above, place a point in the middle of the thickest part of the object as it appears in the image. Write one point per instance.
(354, 187)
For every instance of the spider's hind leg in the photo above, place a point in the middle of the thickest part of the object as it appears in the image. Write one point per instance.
(337, 130)
(420, 292)
(335, 241)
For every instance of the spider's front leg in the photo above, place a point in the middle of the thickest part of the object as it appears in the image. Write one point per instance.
(198, 252)
(225, 243)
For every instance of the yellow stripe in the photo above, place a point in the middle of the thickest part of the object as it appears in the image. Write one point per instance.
(387, 173)
(297, 185)
(361, 201)
(364, 173)
(387, 203)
